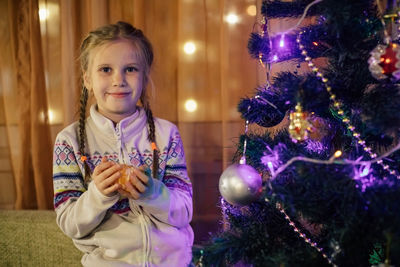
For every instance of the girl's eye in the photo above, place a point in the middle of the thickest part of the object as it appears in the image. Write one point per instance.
(131, 69)
(105, 69)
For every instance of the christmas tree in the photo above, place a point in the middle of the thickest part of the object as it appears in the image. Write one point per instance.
(325, 190)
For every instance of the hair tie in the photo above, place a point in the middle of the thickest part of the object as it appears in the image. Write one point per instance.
(153, 146)
(83, 158)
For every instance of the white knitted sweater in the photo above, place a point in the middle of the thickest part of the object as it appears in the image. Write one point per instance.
(116, 231)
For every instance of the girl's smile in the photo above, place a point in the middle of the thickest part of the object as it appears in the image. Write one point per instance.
(119, 94)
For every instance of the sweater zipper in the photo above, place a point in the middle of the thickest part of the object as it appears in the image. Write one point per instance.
(142, 220)
(121, 151)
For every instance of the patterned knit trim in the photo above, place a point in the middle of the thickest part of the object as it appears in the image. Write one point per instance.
(177, 167)
(122, 206)
(68, 176)
(60, 198)
(63, 143)
(176, 183)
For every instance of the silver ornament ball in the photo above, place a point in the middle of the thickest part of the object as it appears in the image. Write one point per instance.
(240, 184)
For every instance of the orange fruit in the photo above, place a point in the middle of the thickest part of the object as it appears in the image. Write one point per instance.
(126, 174)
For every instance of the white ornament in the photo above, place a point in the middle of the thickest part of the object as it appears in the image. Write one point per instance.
(240, 184)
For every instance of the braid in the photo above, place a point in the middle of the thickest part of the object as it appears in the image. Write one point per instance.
(82, 131)
(152, 137)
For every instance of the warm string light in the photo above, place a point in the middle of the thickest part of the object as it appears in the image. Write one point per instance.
(232, 18)
(302, 235)
(251, 10)
(338, 106)
(337, 154)
(191, 105)
(260, 56)
(43, 14)
(189, 48)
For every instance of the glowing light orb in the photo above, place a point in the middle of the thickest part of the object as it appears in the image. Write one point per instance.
(189, 48)
(191, 105)
(232, 18)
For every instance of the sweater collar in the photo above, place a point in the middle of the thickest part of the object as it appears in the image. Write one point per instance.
(128, 126)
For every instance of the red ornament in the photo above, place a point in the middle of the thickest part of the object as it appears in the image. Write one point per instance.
(385, 61)
(389, 60)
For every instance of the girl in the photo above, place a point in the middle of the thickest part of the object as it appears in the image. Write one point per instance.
(144, 222)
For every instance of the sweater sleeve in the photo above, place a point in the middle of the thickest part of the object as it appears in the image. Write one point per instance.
(170, 199)
(79, 211)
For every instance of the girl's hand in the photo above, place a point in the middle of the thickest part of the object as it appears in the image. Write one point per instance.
(138, 184)
(105, 176)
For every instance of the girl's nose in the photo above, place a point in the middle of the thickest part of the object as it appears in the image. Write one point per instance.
(118, 79)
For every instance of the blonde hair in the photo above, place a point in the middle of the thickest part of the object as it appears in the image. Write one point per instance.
(144, 50)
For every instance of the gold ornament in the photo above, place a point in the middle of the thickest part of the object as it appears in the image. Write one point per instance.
(299, 125)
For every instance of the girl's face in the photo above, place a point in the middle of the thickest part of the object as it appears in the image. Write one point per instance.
(114, 76)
